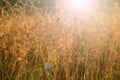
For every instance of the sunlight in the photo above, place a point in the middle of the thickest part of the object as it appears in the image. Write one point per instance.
(79, 5)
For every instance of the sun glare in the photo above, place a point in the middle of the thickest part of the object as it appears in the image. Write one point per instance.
(79, 5)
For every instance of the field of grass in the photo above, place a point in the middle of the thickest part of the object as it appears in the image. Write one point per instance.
(56, 45)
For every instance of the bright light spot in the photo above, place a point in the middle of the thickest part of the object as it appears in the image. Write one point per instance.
(79, 5)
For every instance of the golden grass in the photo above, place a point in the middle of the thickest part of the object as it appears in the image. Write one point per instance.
(60, 46)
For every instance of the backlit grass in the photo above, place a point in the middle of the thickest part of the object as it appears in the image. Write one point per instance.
(56, 45)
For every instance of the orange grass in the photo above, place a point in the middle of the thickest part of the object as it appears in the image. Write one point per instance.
(85, 48)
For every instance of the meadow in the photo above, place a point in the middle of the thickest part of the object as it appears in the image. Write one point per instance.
(53, 44)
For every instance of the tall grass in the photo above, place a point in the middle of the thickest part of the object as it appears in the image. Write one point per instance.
(59, 46)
